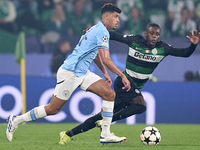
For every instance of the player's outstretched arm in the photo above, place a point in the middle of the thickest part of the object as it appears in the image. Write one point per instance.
(185, 52)
(194, 38)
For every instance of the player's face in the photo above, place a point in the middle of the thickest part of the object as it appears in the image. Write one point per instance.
(113, 20)
(152, 36)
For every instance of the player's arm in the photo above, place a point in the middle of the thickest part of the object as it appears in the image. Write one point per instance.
(186, 52)
(101, 66)
(106, 60)
(127, 39)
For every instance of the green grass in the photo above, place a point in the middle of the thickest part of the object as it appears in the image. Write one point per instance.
(37, 136)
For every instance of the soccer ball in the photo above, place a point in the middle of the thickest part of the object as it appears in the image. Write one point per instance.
(150, 136)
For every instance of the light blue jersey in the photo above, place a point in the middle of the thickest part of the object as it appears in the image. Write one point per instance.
(87, 49)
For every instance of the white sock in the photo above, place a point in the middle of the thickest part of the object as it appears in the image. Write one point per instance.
(107, 114)
(36, 113)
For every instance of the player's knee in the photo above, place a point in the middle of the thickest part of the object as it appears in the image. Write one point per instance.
(141, 108)
(109, 95)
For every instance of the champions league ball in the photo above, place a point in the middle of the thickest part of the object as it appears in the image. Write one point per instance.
(150, 136)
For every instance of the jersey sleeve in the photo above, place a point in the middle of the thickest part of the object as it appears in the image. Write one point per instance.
(179, 52)
(127, 38)
(103, 39)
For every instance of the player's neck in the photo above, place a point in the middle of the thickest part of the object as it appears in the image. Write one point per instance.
(105, 24)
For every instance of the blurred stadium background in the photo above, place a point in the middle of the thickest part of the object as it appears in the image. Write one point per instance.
(175, 84)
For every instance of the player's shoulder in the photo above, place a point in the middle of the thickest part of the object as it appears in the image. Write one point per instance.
(100, 26)
(139, 37)
(162, 44)
(97, 31)
(100, 30)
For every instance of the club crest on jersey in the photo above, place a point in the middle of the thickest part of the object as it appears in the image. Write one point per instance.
(105, 39)
(137, 91)
(154, 51)
(65, 93)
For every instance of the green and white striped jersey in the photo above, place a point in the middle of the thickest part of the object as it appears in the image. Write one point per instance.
(142, 59)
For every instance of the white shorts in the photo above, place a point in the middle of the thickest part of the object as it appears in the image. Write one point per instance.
(67, 82)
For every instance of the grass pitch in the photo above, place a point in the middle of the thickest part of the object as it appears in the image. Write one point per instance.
(38, 136)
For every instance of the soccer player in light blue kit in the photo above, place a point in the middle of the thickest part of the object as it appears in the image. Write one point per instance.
(94, 45)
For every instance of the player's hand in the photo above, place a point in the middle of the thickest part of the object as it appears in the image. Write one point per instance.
(194, 39)
(126, 83)
(108, 79)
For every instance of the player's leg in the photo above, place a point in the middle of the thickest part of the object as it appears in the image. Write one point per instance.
(38, 112)
(57, 101)
(107, 94)
(125, 106)
(89, 79)
(65, 136)
(41, 111)
(121, 110)
(88, 124)
(135, 106)
(95, 84)
(127, 103)
(98, 86)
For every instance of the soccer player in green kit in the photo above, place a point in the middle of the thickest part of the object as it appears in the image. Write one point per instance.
(143, 57)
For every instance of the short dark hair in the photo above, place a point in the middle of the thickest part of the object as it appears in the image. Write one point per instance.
(109, 7)
(153, 25)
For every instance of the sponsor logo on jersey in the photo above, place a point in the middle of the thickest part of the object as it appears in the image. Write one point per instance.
(60, 82)
(138, 48)
(128, 35)
(143, 56)
(147, 51)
